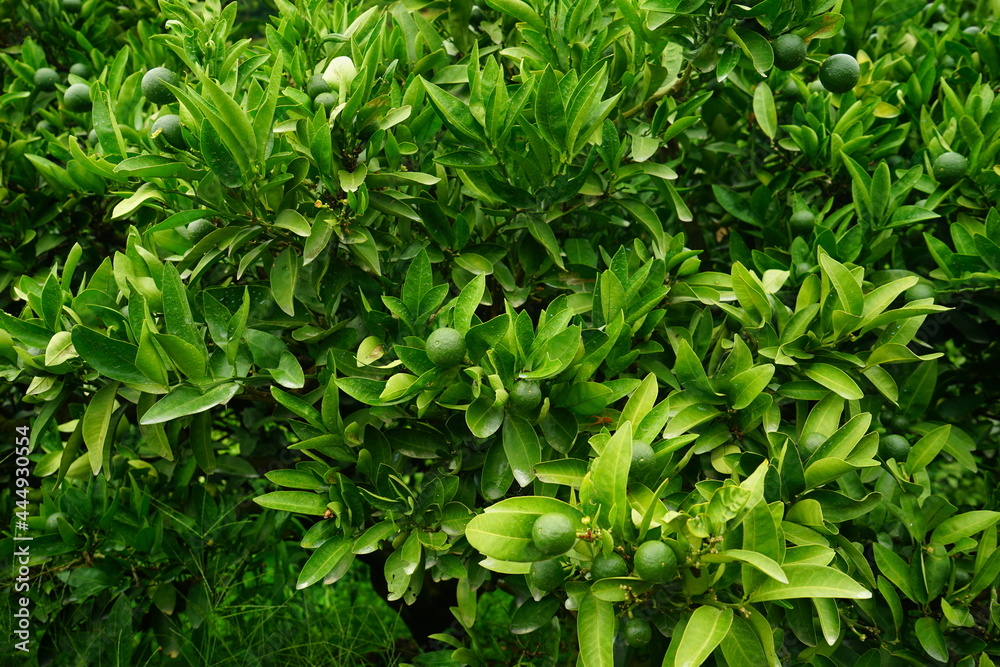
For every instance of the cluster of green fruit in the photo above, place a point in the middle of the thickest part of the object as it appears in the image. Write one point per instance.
(840, 73)
(554, 534)
(76, 98)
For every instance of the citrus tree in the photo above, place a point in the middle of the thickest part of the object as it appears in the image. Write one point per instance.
(664, 326)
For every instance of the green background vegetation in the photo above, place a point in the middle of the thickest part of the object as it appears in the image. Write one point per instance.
(524, 333)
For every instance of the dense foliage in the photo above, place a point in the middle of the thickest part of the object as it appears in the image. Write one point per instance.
(668, 326)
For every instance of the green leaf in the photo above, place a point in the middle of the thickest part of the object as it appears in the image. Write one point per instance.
(284, 275)
(844, 283)
(927, 448)
(834, 379)
(567, 472)
(755, 46)
(963, 525)
(456, 114)
(704, 631)
(550, 112)
(110, 357)
(522, 11)
(763, 108)
(810, 581)
(218, 158)
(894, 568)
(741, 646)
(177, 310)
(294, 222)
(757, 560)
(610, 475)
(931, 638)
(485, 415)
(596, 629)
(300, 502)
(520, 443)
(640, 403)
(97, 423)
(185, 400)
(748, 385)
(323, 560)
(645, 215)
(532, 615)
(468, 301)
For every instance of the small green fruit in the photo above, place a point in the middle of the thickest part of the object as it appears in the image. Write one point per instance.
(445, 347)
(153, 88)
(325, 100)
(894, 447)
(46, 126)
(52, 522)
(789, 51)
(900, 423)
(199, 229)
(525, 395)
(802, 222)
(81, 70)
(546, 575)
(637, 632)
(839, 73)
(46, 79)
(166, 132)
(72, 6)
(611, 565)
(77, 98)
(950, 167)
(92, 137)
(316, 85)
(553, 533)
(655, 562)
(921, 291)
(643, 459)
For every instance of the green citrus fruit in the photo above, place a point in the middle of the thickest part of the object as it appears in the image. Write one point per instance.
(894, 447)
(77, 98)
(921, 291)
(802, 222)
(655, 562)
(52, 522)
(789, 51)
(553, 533)
(81, 70)
(325, 100)
(546, 575)
(950, 167)
(637, 632)
(72, 6)
(839, 73)
(46, 78)
(46, 126)
(92, 138)
(803, 268)
(198, 229)
(166, 131)
(525, 395)
(611, 565)
(153, 88)
(810, 443)
(900, 423)
(643, 459)
(445, 347)
(316, 85)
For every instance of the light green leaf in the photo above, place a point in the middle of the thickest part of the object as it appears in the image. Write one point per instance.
(596, 628)
(810, 581)
(834, 379)
(520, 443)
(323, 560)
(964, 525)
(300, 502)
(704, 631)
(763, 108)
(185, 400)
(97, 422)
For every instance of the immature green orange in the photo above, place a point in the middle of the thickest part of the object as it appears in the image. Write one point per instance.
(81, 70)
(789, 51)
(525, 395)
(72, 6)
(546, 575)
(153, 88)
(553, 533)
(46, 79)
(655, 562)
(894, 447)
(77, 98)
(643, 459)
(326, 100)
(802, 222)
(839, 73)
(950, 167)
(166, 131)
(611, 565)
(445, 347)
(316, 85)
(921, 291)
(637, 632)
